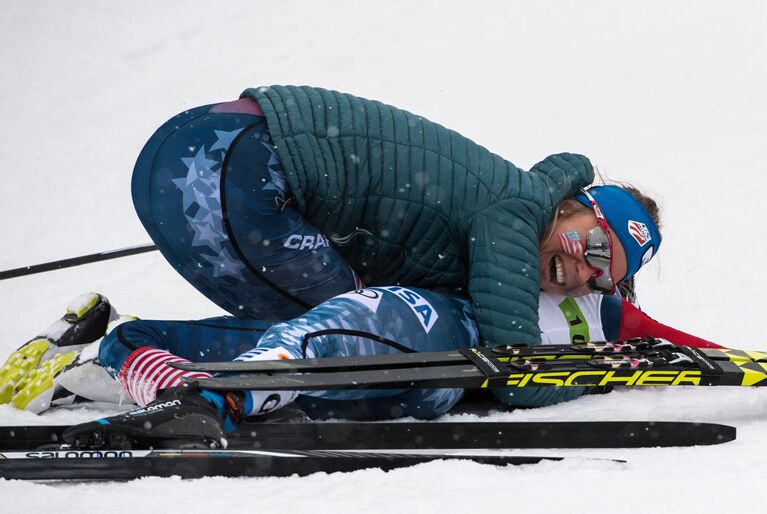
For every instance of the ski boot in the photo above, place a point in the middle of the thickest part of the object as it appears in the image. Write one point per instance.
(180, 418)
(32, 376)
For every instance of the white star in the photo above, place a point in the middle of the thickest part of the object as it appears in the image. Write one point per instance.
(206, 234)
(202, 164)
(224, 264)
(277, 182)
(224, 139)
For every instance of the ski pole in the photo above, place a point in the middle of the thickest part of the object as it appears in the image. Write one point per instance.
(76, 261)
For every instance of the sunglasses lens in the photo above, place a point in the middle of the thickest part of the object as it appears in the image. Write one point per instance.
(598, 256)
(601, 282)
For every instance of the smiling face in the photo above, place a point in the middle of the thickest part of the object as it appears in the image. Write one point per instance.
(564, 269)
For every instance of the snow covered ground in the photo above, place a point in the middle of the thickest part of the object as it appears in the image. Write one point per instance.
(668, 95)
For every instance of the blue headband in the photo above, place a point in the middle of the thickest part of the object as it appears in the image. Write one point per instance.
(630, 221)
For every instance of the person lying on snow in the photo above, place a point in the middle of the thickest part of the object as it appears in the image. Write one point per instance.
(288, 197)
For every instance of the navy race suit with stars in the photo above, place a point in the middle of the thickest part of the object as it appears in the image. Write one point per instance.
(209, 190)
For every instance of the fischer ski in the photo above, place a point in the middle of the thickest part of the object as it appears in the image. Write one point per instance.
(131, 464)
(429, 435)
(639, 362)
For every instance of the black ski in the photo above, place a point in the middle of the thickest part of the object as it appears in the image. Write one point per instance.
(587, 350)
(131, 464)
(431, 435)
(647, 362)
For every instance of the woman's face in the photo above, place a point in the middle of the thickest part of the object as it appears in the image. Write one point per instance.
(564, 269)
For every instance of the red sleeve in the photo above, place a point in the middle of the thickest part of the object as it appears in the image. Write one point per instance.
(635, 323)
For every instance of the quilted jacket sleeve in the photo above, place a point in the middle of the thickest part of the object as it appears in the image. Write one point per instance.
(504, 263)
(503, 275)
(503, 245)
(561, 176)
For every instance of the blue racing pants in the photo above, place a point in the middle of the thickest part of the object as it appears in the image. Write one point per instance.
(383, 320)
(209, 189)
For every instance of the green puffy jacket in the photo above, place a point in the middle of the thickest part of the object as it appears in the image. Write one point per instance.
(407, 201)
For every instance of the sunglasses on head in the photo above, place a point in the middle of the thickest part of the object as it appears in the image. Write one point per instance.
(599, 251)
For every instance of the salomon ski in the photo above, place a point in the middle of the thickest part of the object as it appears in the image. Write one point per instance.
(131, 464)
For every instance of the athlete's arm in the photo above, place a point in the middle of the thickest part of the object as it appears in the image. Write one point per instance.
(635, 323)
(596, 317)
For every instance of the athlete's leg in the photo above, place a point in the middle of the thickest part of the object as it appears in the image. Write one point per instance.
(385, 320)
(136, 353)
(209, 189)
(389, 319)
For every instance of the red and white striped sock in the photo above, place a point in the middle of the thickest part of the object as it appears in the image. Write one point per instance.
(144, 373)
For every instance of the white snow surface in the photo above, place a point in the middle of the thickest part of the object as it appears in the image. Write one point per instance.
(668, 95)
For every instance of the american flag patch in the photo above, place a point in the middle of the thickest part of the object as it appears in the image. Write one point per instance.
(639, 232)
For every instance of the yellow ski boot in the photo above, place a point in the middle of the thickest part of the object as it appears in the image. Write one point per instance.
(28, 376)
